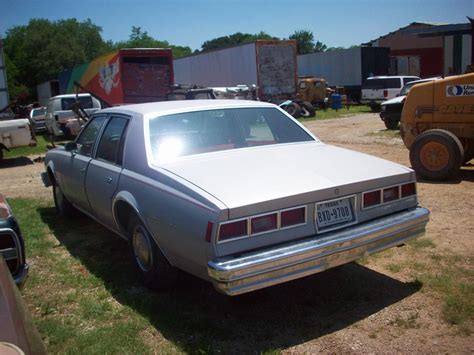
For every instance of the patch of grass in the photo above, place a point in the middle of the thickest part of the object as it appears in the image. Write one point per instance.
(407, 323)
(40, 148)
(394, 268)
(421, 243)
(330, 113)
(385, 133)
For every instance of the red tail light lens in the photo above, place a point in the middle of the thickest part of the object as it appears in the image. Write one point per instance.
(385, 93)
(371, 199)
(408, 189)
(233, 230)
(264, 223)
(292, 217)
(390, 194)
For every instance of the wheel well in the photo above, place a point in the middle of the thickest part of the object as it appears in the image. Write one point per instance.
(51, 176)
(123, 211)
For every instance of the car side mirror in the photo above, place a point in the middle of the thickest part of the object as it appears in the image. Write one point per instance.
(70, 146)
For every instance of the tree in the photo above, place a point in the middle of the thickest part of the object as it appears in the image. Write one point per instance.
(234, 39)
(141, 39)
(42, 49)
(305, 42)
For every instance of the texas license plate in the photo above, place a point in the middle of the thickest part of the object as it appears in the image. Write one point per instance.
(334, 212)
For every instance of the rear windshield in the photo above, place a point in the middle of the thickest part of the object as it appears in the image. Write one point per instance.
(389, 83)
(214, 130)
(68, 102)
(38, 112)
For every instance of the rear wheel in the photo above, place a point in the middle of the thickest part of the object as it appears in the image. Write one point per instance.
(150, 263)
(307, 109)
(436, 154)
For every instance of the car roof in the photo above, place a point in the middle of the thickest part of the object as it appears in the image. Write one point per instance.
(185, 105)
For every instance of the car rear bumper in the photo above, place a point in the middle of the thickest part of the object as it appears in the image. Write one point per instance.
(276, 265)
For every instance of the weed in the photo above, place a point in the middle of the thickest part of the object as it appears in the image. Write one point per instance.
(393, 267)
(407, 323)
(421, 243)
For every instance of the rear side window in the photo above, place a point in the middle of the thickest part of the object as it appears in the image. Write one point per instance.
(110, 143)
(68, 102)
(387, 83)
(85, 142)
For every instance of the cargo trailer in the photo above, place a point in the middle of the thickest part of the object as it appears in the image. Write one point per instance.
(125, 76)
(271, 65)
(347, 68)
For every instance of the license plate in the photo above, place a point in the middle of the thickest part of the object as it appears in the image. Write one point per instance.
(333, 212)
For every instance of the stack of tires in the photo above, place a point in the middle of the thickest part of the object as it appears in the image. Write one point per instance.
(300, 109)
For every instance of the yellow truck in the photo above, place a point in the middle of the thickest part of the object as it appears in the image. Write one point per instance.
(437, 126)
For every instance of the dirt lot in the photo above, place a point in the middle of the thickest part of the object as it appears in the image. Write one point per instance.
(392, 306)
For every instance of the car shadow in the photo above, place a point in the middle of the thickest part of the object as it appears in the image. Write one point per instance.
(15, 162)
(195, 317)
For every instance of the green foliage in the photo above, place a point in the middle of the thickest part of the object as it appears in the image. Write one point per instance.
(141, 39)
(305, 42)
(42, 49)
(234, 39)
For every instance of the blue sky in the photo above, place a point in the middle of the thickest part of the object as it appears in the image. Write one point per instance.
(191, 22)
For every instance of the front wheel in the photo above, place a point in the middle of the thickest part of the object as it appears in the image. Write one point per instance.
(391, 124)
(436, 154)
(64, 208)
(148, 260)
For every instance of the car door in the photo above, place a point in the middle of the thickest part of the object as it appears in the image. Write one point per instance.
(74, 168)
(104, 170)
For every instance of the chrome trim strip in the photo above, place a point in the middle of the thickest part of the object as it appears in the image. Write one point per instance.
(276, 265)
(17, 245)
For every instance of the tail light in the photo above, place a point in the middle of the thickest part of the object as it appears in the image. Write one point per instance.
(233, 230)
(385, 93)
(388, 194)
(370, 199)
(265, 223)
(293, 217)
(408, 189)
(391, 194)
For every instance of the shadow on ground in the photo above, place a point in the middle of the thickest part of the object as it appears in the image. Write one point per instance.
(14, 162)
(196, 318)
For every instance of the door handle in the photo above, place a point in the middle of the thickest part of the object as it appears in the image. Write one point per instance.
(108, 180)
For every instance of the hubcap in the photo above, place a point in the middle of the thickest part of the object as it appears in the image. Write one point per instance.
(434, 156)
(142, 249)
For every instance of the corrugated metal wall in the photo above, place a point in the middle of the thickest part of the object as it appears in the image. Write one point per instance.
(225, 67)
(340, 67)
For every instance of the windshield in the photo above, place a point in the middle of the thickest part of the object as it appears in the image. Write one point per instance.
(408, 86)
(214, 130)
(38, 112)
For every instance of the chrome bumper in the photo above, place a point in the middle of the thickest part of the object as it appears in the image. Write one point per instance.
(273, 266)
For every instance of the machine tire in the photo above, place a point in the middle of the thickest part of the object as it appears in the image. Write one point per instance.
(391, 124)
(307, 109)
(436, 154)
(64, 208)
(293, 109)
(153, 268)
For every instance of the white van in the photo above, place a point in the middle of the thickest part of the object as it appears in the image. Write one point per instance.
(377, 89)
(61, 120)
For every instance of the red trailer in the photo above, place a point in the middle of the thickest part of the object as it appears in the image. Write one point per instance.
(124, 76)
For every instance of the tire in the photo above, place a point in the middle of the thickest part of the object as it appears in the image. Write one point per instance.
(436, 154)
(391, 124)
(307, 109)
(293, 109)
(151, 265)
(375, 107)
(64, 208)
